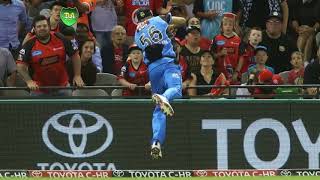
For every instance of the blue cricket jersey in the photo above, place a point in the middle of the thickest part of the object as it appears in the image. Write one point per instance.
(154, 31)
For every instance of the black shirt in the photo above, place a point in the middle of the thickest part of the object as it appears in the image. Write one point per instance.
(201, 81)
(312, 73)
(192, 60)
(256, 12)
(279, 52)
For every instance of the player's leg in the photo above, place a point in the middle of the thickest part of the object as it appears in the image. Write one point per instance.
(173, 82)
(158, 118)
(159, 132)
(173, 88)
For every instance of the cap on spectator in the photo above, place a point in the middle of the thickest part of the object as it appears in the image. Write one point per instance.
(265, 76)
(229, 15)
(191, 28)
(261, 48)
(275, 14)
(277, 79)
(134, 47)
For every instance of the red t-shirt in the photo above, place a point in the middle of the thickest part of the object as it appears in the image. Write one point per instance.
(295, 76)
(137, 76)
(131, 5)
(118, 61)
(232, 45)
(47, 61)
(247, 53)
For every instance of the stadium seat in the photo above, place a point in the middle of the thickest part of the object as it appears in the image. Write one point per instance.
(106, 79)
(89, 92)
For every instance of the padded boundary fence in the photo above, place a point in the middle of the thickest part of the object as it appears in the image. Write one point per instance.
(114, 134)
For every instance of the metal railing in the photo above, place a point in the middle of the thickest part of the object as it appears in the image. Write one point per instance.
(231, 89)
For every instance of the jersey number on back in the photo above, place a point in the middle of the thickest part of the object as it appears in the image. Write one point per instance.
(155, 36)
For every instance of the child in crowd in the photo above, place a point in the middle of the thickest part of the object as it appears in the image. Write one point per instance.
(226, 46)
(295, 76)
(247, 53)
(261, 57)
(134, 73)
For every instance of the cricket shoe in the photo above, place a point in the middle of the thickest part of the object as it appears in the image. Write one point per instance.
(156, 150)
(163, 103)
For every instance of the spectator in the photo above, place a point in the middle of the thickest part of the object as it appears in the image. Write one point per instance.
(84, 7)
(134, 73)
(44, 55)
(102, 29)
(83, 33)
(88, 68)
(12, 12)
(247, 53)
(255, 12)
(312, 74)
(204, 42)
(207, 75)
(226, 47)
(306, 22)
(265, 77)
(280, 46)
(295, 76)
(261, 57)
(114, 54)
(37, 7)
(211, 14)
(55, 23)
(191, 51)
(54, 19)
(128, 7)
(7, 68)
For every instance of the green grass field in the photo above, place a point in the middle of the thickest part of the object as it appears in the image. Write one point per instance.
(199, 178)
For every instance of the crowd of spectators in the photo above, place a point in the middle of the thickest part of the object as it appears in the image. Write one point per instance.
(223, 42)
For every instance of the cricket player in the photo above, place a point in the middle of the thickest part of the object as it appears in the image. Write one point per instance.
(165, 76)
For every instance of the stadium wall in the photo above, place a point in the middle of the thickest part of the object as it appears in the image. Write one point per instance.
(114, 134)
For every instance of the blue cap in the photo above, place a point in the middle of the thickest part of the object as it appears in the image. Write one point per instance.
(261, 48)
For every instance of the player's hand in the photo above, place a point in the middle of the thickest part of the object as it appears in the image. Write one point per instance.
(132, 86)
(77, 81)
(32, 85)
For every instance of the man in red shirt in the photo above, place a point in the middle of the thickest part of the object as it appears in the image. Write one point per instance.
(44, 56)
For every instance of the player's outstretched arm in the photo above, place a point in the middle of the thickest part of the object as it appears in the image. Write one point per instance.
(174, 20)
(178, 21)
